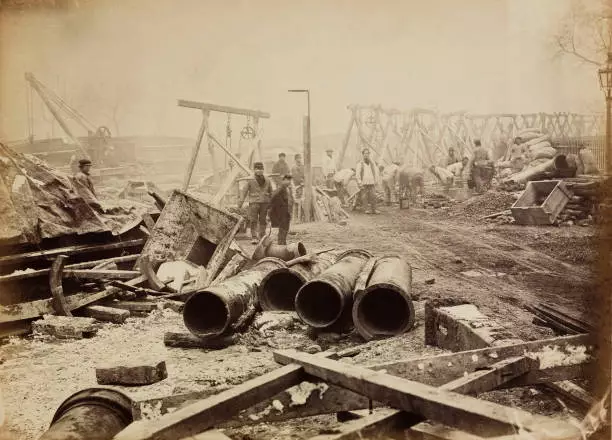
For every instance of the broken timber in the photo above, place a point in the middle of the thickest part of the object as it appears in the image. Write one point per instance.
(34, 309)
(55, 284)
(144, 374)
(477, 382)
(446, 407)
(433, 370)
(108, 314)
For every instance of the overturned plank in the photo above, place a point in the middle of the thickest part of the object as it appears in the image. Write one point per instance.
(107, 314)
(101, 274)
(463, 412)
(21, 259)
(432, 370)
(34, 309)
(145, 374)
(65, 327)
(189, 340)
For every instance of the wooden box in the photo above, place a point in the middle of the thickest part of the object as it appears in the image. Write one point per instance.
(541, 202)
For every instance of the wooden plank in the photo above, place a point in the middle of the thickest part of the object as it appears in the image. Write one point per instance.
(432, 370)
(223, 108)
(205, 414)
(135, 306)
(446, 407)
(213, 434)
(188, 340)
(20, 259)
(572, 392)
(474, 383)
(196, 150)
(101, 274)
(107, 314)
(55, 285)
(132, 374)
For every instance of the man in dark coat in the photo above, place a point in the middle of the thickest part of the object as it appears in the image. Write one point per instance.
(281, 204)
(281, 167)
(259, 190)
(84, 185)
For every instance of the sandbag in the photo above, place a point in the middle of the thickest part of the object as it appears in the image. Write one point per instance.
(539, 145)
(537, 140)
(588, 162)
(536, 162)
(544, 153)
(528, 136)
(527, 131)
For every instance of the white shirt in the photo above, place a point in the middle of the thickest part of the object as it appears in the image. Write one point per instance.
(329, 165)
(367, 174)
(456, 168)
(344, 176)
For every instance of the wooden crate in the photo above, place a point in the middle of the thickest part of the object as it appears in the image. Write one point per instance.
(541, 202)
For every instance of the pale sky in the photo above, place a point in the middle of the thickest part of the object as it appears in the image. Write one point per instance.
(477, 55)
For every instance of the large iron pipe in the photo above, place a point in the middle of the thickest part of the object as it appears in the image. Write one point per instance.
(279, 287)
(323, 300)
(384, 307)
(91, 414)
(211, 312)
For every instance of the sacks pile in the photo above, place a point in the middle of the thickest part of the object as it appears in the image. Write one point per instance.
(534, 149)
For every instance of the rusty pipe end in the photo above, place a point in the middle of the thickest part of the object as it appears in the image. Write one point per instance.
(206, 314)
(319, 303)
(383, 310)
(279, 288)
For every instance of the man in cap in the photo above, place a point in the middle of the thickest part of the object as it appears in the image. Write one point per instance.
(84, 185)
(329, 168)
(367, 178)
(281, 205)
(259, 190)
(480, 168)
(281, 167)
(452, 157)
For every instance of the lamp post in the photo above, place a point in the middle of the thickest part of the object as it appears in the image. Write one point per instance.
(605, 80)
(307, 205)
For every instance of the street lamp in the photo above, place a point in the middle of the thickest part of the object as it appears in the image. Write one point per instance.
(307, 205)
(605, 80)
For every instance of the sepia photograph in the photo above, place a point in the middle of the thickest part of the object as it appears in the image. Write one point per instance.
(305, 220)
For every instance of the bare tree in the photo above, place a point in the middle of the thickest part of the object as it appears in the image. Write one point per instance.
(586, 31)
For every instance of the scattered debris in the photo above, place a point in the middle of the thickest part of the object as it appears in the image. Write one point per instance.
(63, 327)
(134, 374)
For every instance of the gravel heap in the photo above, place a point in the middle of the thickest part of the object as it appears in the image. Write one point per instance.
(485, 204)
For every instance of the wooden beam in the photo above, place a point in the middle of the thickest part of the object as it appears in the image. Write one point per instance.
(19, 259)
(205, 414)
(446, 407)
(230, 154)
(196, 149)
(474, 383)
(101, 274)
(222, 108)
(432, 370)
(55, 285)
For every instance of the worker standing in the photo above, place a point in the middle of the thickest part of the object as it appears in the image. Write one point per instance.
(480, 168)
(367, 177)
(329, 168)
(84, 185)
(297, 172)
(389, 180)
(281, 167)
(259, 190)
(281, 205)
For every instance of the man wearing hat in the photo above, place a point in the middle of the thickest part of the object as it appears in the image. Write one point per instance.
(281, 205)
(84, 185)
(259, 190)
(329, 168)
(281, 167)
(480, 168)
(368, 177)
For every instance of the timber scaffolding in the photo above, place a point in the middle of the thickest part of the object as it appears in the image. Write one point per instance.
(427, 397)
(423, 136)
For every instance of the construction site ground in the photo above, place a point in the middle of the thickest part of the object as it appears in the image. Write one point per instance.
(498, 268)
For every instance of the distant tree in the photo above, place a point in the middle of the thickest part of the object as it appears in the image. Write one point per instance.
(586, 31)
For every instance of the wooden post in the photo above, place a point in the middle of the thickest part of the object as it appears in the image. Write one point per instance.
(196, 149)
(345, 141)
(308, 199)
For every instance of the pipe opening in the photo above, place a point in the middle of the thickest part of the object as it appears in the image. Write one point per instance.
(301, 249)
(205, 314)
(384, 311)
(278, 292)
(318, 304)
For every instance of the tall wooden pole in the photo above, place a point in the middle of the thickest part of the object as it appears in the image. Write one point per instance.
(196, 149)
(608, 150)
(307, 206)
